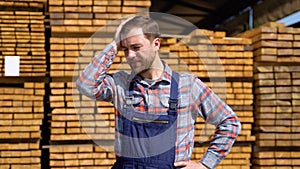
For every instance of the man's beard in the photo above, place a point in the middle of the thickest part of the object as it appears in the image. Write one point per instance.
(144, 66)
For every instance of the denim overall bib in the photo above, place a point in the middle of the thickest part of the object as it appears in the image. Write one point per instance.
(148, 140)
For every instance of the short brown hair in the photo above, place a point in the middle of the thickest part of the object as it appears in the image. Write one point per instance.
(149, 26)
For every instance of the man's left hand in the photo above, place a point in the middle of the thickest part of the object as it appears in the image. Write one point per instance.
(189, 165)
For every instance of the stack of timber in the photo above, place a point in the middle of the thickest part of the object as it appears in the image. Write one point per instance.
(73, 22)
(20, 155)
(276, 159)
(277, 70)
(75, 16)
(211, 54)
(21, 115)
(79, 31)
(80, 156)
(77, 118)
(69, 55)
(23, 34)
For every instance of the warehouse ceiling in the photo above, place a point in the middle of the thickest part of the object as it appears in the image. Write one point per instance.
(214, 14)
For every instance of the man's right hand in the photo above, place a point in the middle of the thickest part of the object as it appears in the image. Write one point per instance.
(117, 37)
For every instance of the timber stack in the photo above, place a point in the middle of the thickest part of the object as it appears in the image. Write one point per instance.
(79, 125)
(22, 33)
(277, 74)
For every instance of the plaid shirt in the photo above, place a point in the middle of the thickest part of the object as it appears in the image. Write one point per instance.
(195, 98)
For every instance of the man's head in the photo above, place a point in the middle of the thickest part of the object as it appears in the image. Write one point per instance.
(139, 39)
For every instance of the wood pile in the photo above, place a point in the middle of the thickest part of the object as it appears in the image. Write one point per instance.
(210, 54)
(23, 34)
(21, 115)
(224, 63)
(276, 159)
(20, 155)
(277, 74)
(76, 118)
(74, 16)
(80, 156)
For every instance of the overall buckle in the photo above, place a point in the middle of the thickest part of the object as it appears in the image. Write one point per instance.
(173, 103)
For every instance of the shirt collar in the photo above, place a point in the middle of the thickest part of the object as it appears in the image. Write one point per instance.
(166, 75)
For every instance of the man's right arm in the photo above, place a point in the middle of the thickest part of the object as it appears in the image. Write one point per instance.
(93, 80)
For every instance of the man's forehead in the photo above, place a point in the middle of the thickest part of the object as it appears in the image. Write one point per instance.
(133, 32)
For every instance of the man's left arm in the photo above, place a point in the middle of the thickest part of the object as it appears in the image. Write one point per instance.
(215, 111)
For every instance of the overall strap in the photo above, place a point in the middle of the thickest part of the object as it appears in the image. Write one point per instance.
(173, 101)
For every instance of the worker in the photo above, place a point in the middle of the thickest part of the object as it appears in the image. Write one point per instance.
(155, 107)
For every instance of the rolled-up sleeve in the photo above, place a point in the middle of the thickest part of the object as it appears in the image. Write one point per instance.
(94, 82)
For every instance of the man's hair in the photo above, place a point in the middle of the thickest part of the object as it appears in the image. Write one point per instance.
(149, 26)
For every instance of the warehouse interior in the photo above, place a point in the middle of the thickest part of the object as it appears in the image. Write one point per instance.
(254, 65)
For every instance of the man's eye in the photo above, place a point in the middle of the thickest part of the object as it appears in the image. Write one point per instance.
(136, 47)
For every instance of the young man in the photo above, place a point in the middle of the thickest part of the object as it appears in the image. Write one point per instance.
(155, 107)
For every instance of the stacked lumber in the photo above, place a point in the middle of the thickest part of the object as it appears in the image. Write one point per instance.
(280, 159)
(20, 155)
(69, 55)
(277, 117)
(80, 156)
(75, 16)
(77, 118)
(277, 70)
(23, 34)
(211, 54)
(21, 111)
(273, 42)
(21, 115)
(239, 157)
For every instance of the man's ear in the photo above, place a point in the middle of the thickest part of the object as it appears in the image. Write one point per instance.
(156, 43)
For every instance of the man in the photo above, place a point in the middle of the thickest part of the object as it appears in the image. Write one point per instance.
(155, 107)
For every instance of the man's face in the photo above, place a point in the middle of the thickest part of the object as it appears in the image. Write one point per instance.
(140, 53)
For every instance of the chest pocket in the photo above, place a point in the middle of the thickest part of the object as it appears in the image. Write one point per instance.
(184, 101)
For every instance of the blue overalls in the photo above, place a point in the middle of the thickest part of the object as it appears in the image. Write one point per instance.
(148, 140)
